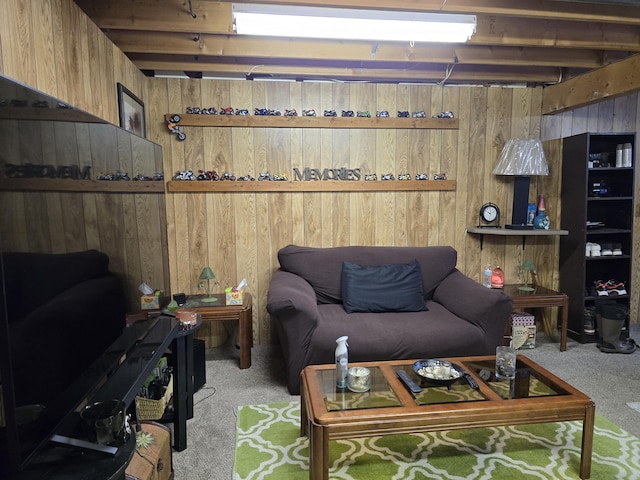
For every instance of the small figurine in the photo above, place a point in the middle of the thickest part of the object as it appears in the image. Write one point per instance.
(347, 113)
(184, 175)
(242, 111)
(122, 176)
(260, 111)
(419, 114)
(226, 111)
(388, 176)
(383, 114)
(404, 176)
(370, 177)
(403, 114)
(364, 114)
(439, 176)
(330, 113)
(291, 113)
(264, 176)
(309, 113)
(422, 176)
(444, 115)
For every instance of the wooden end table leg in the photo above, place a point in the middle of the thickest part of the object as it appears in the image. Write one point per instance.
(318, 452)
(564, 319)
(587, 441)
(245, 331)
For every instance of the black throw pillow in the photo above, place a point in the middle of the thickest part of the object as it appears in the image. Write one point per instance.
(382, 288)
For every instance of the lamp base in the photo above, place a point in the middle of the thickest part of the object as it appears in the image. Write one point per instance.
(514, 226)
(209, 299)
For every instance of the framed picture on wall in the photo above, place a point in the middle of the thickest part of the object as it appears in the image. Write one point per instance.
(131, 112)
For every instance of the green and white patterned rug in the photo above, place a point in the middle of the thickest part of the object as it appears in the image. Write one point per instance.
(268, 448)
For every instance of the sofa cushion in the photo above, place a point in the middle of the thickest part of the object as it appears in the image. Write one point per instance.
(322, 267)
(391, 287)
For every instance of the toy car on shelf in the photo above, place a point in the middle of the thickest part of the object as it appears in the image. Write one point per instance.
(403, 114)
(142, 178)
(309, 113)
(370, 177)
(208, 175)
(330, 113)
(382, 114)
(444, 115)
(184, 175)
(174, 128)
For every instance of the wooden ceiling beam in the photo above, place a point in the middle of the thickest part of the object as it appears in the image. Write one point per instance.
(244, 46)
(549, 57)
(432, 75)
(122, 12)
(154, 16)
(608, 82)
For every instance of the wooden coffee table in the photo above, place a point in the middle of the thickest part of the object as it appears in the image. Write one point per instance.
(535, 396)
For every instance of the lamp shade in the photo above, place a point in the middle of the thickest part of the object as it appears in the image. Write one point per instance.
(522, 157)
(207, 274)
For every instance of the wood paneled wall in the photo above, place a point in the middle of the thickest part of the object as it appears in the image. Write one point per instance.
(52, 46)
(239, 234)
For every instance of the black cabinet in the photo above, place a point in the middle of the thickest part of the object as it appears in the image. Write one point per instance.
(597, 210)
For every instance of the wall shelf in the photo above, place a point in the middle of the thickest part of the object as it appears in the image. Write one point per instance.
(505, 232)
(272, 121)
(195, 186)
(71, 185)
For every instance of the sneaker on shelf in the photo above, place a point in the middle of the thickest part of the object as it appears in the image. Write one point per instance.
(601, 288)
(607, 250)
(617, 249)
(615, 288)
(587, 251)
(596, 250)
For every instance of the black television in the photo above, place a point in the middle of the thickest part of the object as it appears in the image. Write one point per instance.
(24, 429)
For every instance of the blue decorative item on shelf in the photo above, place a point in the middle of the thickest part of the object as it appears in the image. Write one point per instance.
(541, 221)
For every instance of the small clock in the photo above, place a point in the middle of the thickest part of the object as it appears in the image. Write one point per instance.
(489, 215)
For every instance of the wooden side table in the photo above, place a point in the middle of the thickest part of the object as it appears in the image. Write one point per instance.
(218, 311)
(542, 297)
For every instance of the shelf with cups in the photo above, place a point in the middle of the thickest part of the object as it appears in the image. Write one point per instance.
(278, 121)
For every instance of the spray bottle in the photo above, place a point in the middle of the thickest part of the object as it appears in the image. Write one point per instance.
(342, 362)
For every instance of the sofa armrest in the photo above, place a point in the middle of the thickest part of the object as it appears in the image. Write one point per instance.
(488, 309)
(293, 303)
(290, 295)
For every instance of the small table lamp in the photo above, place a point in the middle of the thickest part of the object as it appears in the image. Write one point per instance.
(208, 275)
(521, 158)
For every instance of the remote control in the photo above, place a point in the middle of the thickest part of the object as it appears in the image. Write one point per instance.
(408, 381)
(472, 383)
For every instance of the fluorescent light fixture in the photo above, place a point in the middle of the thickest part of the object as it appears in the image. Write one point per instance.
(351, 24)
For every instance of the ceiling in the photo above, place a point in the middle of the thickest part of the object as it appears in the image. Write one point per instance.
(523, 42)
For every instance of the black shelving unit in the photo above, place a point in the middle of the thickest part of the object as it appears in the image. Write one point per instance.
(588, 163)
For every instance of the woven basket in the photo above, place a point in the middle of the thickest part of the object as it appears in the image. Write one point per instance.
(149, 409)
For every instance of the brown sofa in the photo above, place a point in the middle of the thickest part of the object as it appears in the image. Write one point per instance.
(458, 316)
